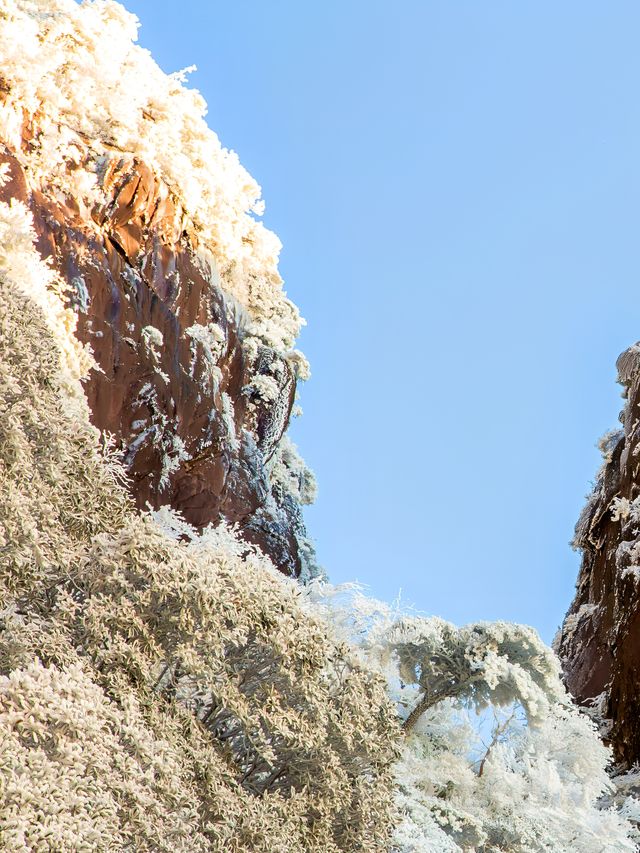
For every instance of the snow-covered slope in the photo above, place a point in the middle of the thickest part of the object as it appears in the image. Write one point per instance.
(152, 690)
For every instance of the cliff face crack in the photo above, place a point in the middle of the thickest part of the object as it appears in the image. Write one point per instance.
(119, 249)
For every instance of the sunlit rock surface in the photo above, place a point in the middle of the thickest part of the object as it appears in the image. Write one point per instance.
(195, 376)
(162, 686)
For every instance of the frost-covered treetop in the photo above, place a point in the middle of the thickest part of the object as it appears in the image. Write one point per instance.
(74, 75)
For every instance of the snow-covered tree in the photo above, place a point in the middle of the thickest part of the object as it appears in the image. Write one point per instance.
(534, 781)
(164, 690)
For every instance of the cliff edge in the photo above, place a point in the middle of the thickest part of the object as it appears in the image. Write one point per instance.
(154, 227)
(599, 642)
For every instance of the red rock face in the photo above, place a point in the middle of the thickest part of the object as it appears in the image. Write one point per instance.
(192, 432)
(600, 640)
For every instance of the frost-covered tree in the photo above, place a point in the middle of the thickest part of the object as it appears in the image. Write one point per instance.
(535, 781)
(485, 663)
(164, 690)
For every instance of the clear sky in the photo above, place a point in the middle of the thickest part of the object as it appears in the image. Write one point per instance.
(457, 188)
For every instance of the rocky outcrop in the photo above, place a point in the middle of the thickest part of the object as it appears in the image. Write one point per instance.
(197, 407)
(599, 642)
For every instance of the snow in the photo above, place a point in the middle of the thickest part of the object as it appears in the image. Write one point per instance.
(289, 469)
(93, 95)
(573, 620)
(544, 776)
(213, 341)
(632, 572)
(152, 337)
(171, 459)
(265, 387)
(620, 509)
(228, 416)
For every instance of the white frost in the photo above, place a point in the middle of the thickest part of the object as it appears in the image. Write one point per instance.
(152, 337)
(94, 95)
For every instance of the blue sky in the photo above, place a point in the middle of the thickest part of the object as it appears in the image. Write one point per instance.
(456, 185)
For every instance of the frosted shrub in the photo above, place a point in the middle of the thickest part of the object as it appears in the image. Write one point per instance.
(230, 708)
(158, 694)
(73, 73)
(80, 771)
(167, 691)
(533, 782)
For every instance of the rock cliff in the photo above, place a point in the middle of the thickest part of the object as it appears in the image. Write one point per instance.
(195, 376)
(599, 642)
(162, 686)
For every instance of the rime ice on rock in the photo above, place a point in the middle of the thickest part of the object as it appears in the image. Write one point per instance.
(152, 225)
(162, 687)
(598, 642)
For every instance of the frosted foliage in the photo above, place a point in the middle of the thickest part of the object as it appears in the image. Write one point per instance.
(221, 537)
(20, 262)
(74, 74)
(158, 694)
(152, 337)
(290, 471)
(162, 690)
(627, 797)
(533, 782)
(620, 509)
(264, 387)
(71, 759)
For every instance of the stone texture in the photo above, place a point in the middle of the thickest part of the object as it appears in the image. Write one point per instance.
(599, 642)
(193, 431)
